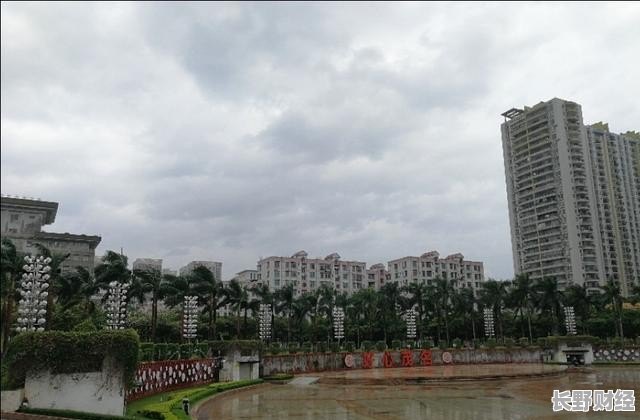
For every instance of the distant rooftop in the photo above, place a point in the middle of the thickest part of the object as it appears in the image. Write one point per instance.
(50, 208)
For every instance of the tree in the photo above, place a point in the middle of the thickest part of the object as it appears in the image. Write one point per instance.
(611, 292)
(577, 297)
(465, 304)
(285, 297)
(522, 296)
(10, 272)
(112, 267)
(549, 298)
(390, 301)
(77, 288)
(493, 295)
(144, 282)
(55, 274)
(442, 294)
(211, 294)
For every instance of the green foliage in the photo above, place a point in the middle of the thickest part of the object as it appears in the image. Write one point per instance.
(457, 343)
(201, 349)
(69, 352)
(160, 351)
(396, 344)
(307, 347)
(523, 341)
(186, 350)
(173, 351)
(293, 348)
(509, 342)
(427, 344)
(146, 352)
(335, 347)
(381, 345)
(491, 343)
(244, 346)
(69, 414)
(367, 345)
(85, 326)
(349, 346)
(274, 349)
(171, 407)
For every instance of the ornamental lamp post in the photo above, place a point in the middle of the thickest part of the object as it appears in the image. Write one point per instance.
(411, 323)
(190, 317)
(117, 305)
(32, 306)
(264, 319)
(338, 323)
(488, 323)
(570, 320)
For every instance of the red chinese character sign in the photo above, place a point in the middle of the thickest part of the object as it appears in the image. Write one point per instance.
(447, 357)
(425, 358)
(387, 360)
(407, 358)
(367, 360)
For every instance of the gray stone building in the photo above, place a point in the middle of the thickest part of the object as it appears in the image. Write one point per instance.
(22, 220)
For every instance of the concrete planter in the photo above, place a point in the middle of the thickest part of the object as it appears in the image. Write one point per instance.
(11, 400)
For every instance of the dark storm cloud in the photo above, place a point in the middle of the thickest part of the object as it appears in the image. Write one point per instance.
(231, 131)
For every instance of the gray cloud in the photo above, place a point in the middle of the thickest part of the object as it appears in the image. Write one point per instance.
(238, 130)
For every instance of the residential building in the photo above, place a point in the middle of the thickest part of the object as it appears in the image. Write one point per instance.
(308, 274)
(248, 278)
(169, 272)
(215, 267)
(147, 264)
(573, 196)
(22, 219)
(377, 276)
(429, 266)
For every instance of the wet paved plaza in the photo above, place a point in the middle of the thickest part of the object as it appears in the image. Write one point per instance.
(510, 398)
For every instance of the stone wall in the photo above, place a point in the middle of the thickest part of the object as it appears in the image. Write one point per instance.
(317, 362)
(94, 392)
(614, 354)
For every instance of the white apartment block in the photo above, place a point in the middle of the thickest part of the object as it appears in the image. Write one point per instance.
(215, 267)
(573, 196)
(377, 276)
(615, 169)
(247, 278)
(429, 266)
(308, 274)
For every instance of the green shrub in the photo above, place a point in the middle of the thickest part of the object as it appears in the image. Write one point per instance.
(396, 344)
(457, 343)
(71, 352)
(201, 350)
(491, 343)
(349, 346)
(542, 342)
(335, 347)
(85, 326)
(307, 347)
(509, 342)
(244, 346)
(274, 349)
(160, 351)
(146, 352)
(367, 345)
(186, 350)
(442, 344)
(173, 351)
(71, 414)
(427, 344)
(152, 414)
(321, 347)
(523, 341)
(381, 345)
(293, 348)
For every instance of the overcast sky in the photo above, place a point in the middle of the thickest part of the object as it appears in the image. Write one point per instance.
(233, 131)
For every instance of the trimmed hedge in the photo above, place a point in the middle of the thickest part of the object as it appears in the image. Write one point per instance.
(171, 409)
(71, 352)
(69, 414)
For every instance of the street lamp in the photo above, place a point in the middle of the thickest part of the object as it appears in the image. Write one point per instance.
(338, 323)
(570, 320)
(264, 318)
(32, 306)
(190, 317)
(117, 305)
(411, 323)
(488, 323)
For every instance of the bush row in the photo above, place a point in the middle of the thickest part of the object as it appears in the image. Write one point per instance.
(174, 351)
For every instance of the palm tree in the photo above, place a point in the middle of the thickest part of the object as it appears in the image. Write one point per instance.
(285, 297)
(144, 282)
(173, 289)
(493, 295)
(77, 288)
(549, 298)
(465, 303)
(235, 296)
(611, 293)
(10, 272)
(442, 294)
(211, 293)
(112, 267)
(390, 297)
(522, 294)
